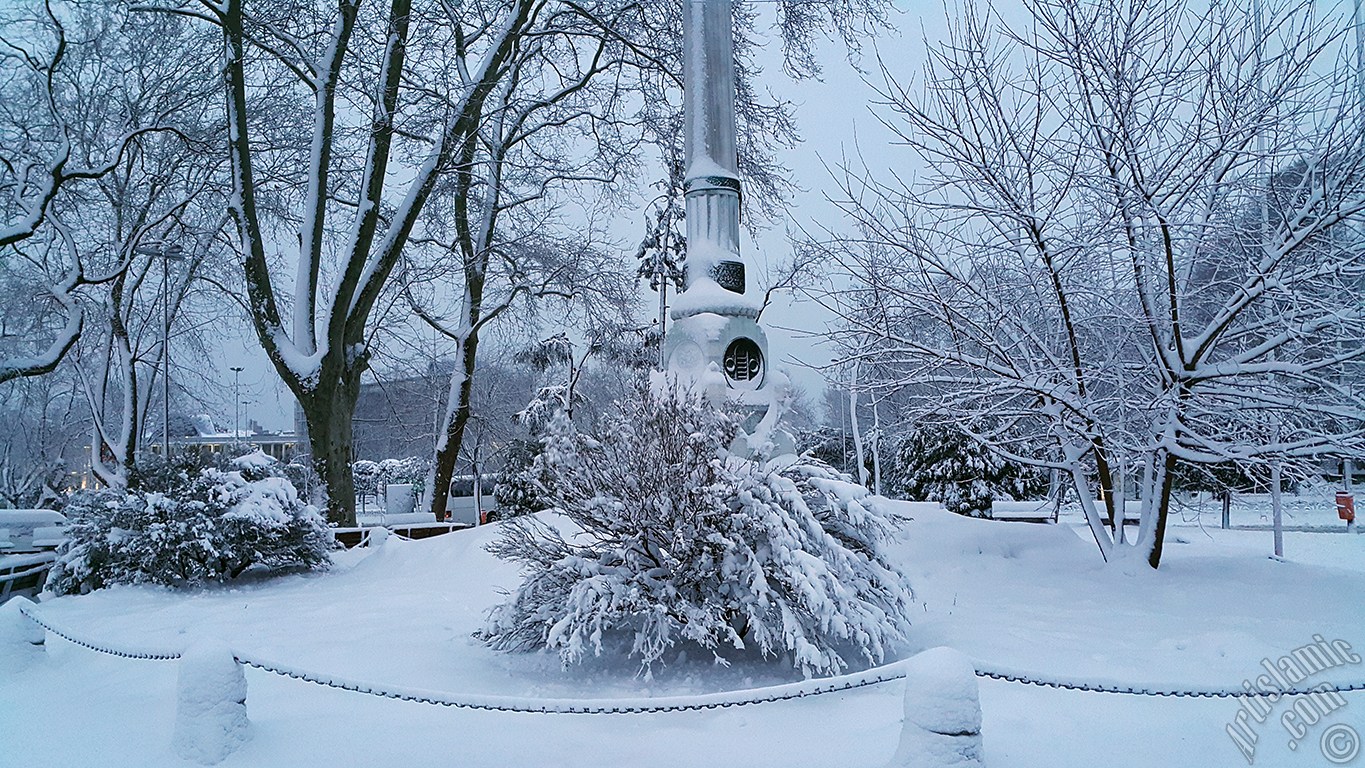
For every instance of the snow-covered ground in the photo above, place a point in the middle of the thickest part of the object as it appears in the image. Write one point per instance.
(1016, 595)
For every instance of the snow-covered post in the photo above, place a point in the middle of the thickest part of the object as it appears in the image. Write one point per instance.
(876, 440)
(19, 629)
(1277, 506)
(942, 726)
(210, 711)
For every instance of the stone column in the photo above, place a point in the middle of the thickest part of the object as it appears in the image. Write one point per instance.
(715, 338)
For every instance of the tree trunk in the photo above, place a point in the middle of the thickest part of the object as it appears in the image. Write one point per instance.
(1163, 505)
(458, 410)
(330, 413)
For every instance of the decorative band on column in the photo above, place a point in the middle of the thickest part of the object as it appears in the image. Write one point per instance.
(702, 183)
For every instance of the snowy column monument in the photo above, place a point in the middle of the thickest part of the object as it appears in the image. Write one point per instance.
(715, 334)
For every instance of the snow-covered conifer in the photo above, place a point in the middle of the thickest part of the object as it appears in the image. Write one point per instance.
(945, 465)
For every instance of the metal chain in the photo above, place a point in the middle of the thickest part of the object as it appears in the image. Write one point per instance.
(67, 636)
(1138, 690)
(875, 676)
(584, 707)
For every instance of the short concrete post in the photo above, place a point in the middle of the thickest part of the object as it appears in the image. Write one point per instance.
(21, 640)
(210, 711)
(378, 536)
(942, 727)
(20, 627)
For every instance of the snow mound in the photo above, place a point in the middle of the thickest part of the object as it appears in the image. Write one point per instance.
(21, 641)
(955, 534)
(210, 713)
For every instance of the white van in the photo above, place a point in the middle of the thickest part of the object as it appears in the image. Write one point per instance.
(31, 530)
(469, 500)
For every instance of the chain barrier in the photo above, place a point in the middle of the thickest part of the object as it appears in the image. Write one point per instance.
(1141, 690)
(70, 638)
(875, 676)
(598, 707)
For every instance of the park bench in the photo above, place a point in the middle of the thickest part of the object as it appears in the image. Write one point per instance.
(1044, 511)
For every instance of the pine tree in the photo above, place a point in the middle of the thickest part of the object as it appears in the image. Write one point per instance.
(946, 465)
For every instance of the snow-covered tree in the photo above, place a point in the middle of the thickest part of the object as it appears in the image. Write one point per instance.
(520, 487)
(1133, 246)
(568, 128)
(110, 232)
(89, 95)
(42, 427)
(667, 540)
(188, 524)
(944, 465)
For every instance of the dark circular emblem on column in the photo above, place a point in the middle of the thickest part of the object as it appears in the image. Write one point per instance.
(744, 364)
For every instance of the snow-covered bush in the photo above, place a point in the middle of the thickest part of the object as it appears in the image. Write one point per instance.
(521, 490)
(947, 466)
(672, 540)
(365, 475)
(412, 471)
(197, 524)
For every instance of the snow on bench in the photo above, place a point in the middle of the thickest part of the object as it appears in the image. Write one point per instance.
(1044, 511)
(24, 574)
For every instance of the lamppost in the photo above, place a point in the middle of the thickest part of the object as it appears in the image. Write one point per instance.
(236, 403)
(167, 252)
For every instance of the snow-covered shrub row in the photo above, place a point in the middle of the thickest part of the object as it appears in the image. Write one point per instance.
(189, 525)
(672, 540)
(365, 474)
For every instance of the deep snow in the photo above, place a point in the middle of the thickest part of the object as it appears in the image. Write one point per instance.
(1016, 595)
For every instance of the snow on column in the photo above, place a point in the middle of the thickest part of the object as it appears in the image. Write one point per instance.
(210, 712)
(942, 727)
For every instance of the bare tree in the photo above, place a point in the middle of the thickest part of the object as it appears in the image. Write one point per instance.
(56, 134)
(403, 106)
(163, 186)
(42, 422)
(1131, 248)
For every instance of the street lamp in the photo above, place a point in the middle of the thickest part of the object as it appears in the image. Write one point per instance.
(236, 403)
(167, 252)
(244, 404)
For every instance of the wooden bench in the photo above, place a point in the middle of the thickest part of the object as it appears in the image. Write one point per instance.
(1044, 511)
(1132, 512)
